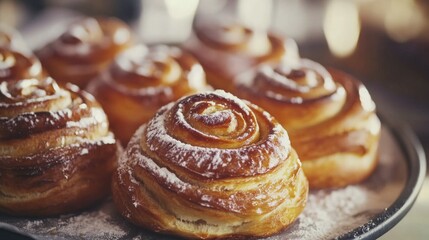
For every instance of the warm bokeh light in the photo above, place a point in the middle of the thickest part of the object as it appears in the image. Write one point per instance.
(255, 13)
(181, 9)
(341, 27)
(403, 20)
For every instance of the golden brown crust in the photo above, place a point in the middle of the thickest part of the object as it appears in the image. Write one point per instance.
(84, 50)
(329, 115)
(210, 166)
(56, 152)
(143, 79)
(227, 50)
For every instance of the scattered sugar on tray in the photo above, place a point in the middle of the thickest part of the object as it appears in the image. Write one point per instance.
(329, 212)
(33, 224)
(95, 224)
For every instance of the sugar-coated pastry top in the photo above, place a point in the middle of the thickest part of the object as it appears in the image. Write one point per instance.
(302, 90)
(141, 80)
(222, 136)
(158, 74)
(90, 40)
(39, 107)
(85, 49)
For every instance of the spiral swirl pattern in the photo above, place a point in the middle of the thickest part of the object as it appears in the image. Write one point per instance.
(145, 78)
(327, 114)
(57, 154)
(85, 49)
(227, 50)
(304, 91)
(216, 154)
(233, 37)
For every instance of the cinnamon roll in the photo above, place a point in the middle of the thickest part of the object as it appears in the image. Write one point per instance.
(56, 152)
(210, 166)
(143, 79)
(329, 116)
(227, 50)
(84, 50)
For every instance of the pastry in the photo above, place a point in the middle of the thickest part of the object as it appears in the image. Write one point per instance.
(328, 114)
(210, 166)
(17, 65)
(84, 50)
(227, 50)
(140, 81)
(56, 152)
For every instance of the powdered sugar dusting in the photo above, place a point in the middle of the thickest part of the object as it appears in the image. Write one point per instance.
(91, 224)
(216, 158)
(235, 99)
(100, 223)
(170, 178)
(328, 212)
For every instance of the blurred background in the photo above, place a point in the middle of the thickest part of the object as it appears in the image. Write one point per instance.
(385, 43)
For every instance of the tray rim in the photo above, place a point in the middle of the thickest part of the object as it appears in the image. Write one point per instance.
(416, 169)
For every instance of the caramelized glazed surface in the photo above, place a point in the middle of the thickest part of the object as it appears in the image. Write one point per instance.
(318, 107)
(84, 49)
(326, 112)
(143, 79)
(211, 165)
(56, 152)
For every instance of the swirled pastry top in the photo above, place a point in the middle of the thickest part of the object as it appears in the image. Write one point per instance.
(239, 39)
(229, 49)
(59, 116)
(89, 40)
(157, 74)
(16, 65)
(246, 140)
(305, 92)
